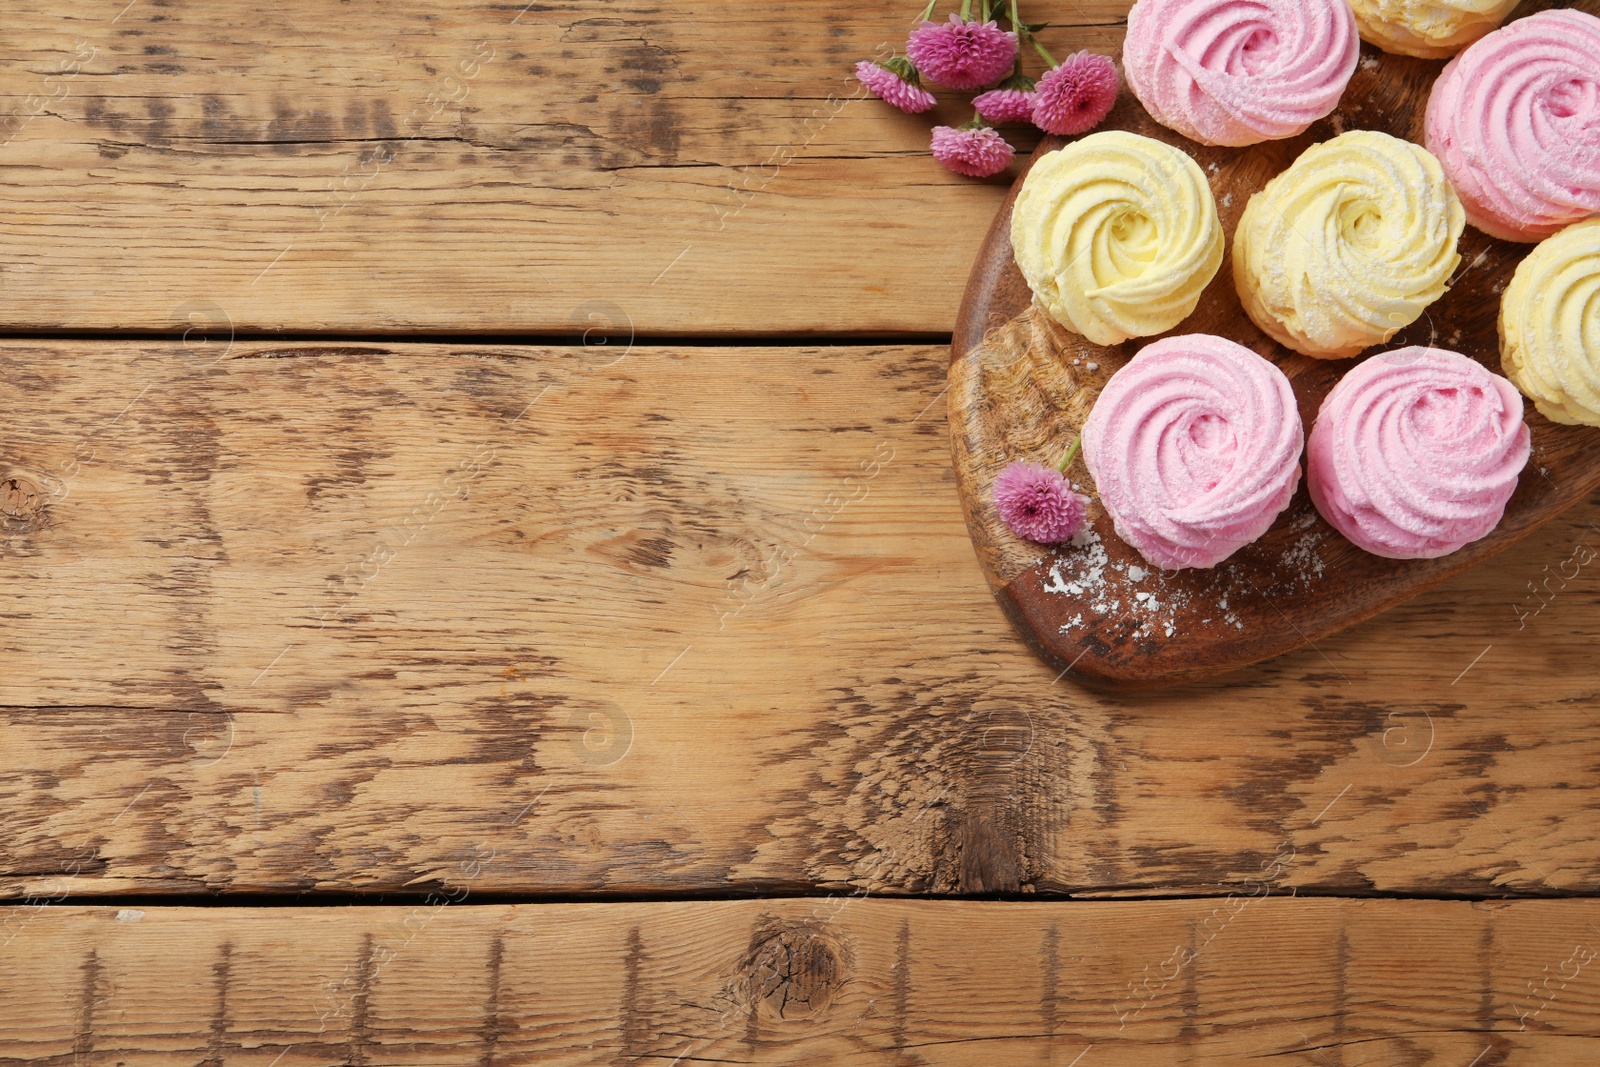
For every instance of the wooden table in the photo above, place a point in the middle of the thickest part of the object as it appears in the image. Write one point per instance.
(484, 585)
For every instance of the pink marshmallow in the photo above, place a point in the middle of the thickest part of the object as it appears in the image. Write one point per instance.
(1194, 447)
(1237, 72)
(1515, 120)
(1415, 452)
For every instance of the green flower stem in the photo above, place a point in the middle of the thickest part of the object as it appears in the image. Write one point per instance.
(1071, 452)
(927, 12)
(1026, 34)
(966, 10)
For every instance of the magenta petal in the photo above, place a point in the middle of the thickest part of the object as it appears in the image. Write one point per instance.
(889, 87)
(1037, 503)
(974, 153)
(1077, 95)
(1005, 105)
(962, 55)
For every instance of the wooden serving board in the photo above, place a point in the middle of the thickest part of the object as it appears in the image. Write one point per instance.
(1021, 387)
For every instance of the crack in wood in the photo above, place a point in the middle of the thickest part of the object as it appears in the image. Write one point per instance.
(1050, 985)
(222, 973)
(493, 1027)
(360, 1028)
(88, 1001)
(902, 985)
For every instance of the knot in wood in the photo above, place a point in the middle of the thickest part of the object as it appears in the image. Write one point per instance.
(22, 501)
(793, 969)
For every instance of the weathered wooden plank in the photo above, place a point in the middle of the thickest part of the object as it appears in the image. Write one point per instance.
(838, 981)
(298, 617)
(473, 165)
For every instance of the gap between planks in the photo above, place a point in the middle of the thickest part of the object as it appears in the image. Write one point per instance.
(573, 339)
(389, 898)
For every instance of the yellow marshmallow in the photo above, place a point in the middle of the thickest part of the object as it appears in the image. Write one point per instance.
(1349, 245)
(1429, 29)
(1117, 234)
(1550, 325)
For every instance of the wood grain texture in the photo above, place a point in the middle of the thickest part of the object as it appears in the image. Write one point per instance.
(477, 165)
(1022, 386)
(836, 981)
(699, 619)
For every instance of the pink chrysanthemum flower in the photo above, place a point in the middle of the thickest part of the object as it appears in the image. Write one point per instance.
(962, 55)
(1005, 105)
(976, 152)
(1075, 96)
(1037, 503)
(895, 81)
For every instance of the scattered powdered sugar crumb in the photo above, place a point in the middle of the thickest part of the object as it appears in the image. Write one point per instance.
(1089, 575)
(1227, 614)
(1131, 597)
(1086, 573)
(1303, 562)
(1227, 199)
(1369, 62)
(1089, 566)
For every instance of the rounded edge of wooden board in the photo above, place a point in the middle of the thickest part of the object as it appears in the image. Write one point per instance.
(995, 292)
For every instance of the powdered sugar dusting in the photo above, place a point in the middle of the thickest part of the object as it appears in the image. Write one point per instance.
(1302, 564)
(1088, 567)
(1158, 603)
(1087, 573)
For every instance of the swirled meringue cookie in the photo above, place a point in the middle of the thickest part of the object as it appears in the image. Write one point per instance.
(1348, 245)
(1237, 72)
(1415, 453)
(1427, 29)
(1515, 119)
(1550, 326)
(1117, 234)
(1194, 446)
